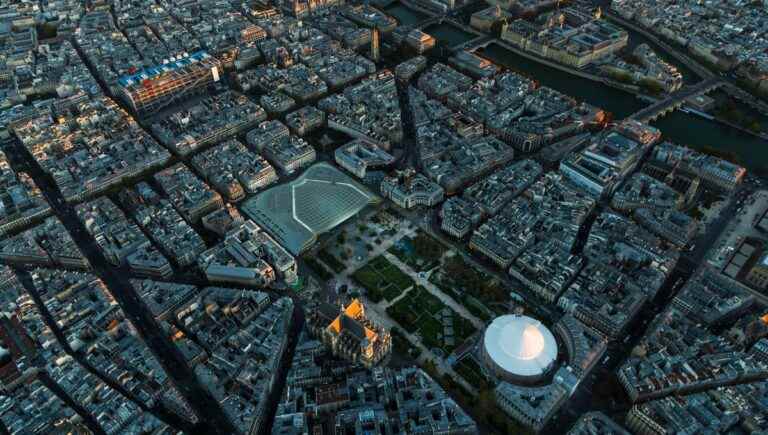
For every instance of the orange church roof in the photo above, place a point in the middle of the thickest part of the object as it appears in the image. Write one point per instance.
(350, 318)
(335, 326)
(354, 309)
(370, 335)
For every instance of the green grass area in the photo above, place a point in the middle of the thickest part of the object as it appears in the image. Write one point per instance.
(421, 312)
(431, 330)
(331, 261)
(382, 279)
(476, 291)
(477, 308)
(401, 345)
(468, 369)
(421, 252)
(318, 268)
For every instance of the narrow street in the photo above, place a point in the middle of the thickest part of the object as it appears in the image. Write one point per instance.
(160, 410)
(297, 324)
(212, 420)
(88, 419)
(294, 58)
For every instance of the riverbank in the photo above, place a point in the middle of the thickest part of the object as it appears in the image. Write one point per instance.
(679, 127)
(760, 135)
(448, 34)
(684, 59)
(618, 102)
(631, 89)
(715, 118)
(405, 15)
(691, 62)
(706, 135)
(701, 133)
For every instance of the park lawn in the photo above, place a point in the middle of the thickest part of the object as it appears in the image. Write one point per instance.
(421, 252)
(469, 302)
(382, 280)
(462, 328)
(476, 307)
(368, 278)
(401, 345)
(372, 281)
(318, 268)
(398, 278)
(468, 369)
(420, 312)
(404, 315)
(431, 331)
(392, 273)
(480, 294)
(331, 261)
(420, 297)
(392, 291)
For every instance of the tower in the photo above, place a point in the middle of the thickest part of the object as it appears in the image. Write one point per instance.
(375, 44)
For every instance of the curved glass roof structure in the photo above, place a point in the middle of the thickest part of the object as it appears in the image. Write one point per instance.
(295, 213)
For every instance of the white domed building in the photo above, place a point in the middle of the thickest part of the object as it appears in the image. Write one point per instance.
(519, 349)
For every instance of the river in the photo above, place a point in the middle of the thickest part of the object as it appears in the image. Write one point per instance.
(679, 127)
(635, 39)
(620, 103)
(448, 35)
(703, 134)
(404, 15)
